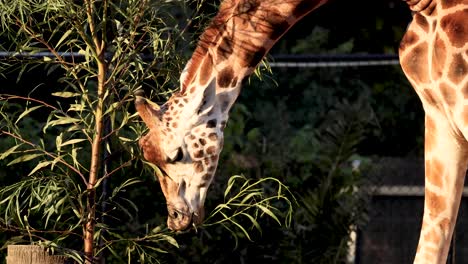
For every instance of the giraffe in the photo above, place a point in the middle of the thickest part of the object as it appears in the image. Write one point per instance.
(186, 133)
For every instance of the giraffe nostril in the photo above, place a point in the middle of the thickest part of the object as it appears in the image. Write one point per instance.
(175, 215)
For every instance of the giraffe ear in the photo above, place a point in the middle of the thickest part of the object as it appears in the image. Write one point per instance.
(149, 112)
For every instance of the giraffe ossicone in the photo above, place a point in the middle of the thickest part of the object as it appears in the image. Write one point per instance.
(186, 133)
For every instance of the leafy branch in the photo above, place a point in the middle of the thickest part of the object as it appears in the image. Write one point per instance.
(245, 198)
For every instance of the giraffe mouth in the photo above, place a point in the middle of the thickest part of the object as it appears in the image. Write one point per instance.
(183, 212)
(179, 219)
(183, 219)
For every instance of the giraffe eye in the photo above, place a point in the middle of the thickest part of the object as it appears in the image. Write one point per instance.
(178, 157)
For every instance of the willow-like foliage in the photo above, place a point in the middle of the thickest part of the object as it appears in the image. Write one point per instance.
(70, 152)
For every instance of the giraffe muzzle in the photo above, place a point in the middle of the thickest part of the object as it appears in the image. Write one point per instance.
(183, 219)
(179, 219)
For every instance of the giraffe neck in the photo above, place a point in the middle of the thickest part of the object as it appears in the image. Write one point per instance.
(235, 42)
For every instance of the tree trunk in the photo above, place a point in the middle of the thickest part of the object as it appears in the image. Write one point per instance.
(27, 254)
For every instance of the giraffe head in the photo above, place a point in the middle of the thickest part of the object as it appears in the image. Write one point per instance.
(184, 141)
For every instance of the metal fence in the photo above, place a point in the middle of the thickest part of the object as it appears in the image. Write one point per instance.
(395, 215)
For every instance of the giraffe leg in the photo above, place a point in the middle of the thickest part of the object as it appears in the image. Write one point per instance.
(445, 168)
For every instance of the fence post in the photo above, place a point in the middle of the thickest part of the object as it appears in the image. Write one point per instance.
(31, 254)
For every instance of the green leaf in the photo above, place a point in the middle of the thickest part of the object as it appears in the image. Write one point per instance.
(242, 229)
(24, 158)
(268, 212)
(156, 230)
(155, 168)
(76, 107)
(72, 141)
(9, 151)
(63, 121)
(26, 112)
(39, 166)
(230, 184)
(250, 196)
(64, 36)
(170, 240)
(254, 221)
(65, 94)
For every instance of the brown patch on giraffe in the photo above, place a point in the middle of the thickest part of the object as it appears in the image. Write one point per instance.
(225, 77)
(450, 3)
(151, 151)
(449, 94)
(251, 55)
(409, 39)
(174, 124)
(211, 123)
(458, 69)
(211, 150)
(223, 125)
(464, 90)
(430, 138)
(439, 55)
(214, 158)
(421, 21)
(415, 64)
(207, 161)
(276, 24)
(435, 203)
(206, 177)
(429, 97)
(195, 145)
(205, 180)
(213, 136)
(211, 168)
(202, 141)
(224, 105)
(225, 48)
(198, 166)
(205, 70)
(209, 37)
(434, 172)
(456, 27)
(198, 154)
(444, 224)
